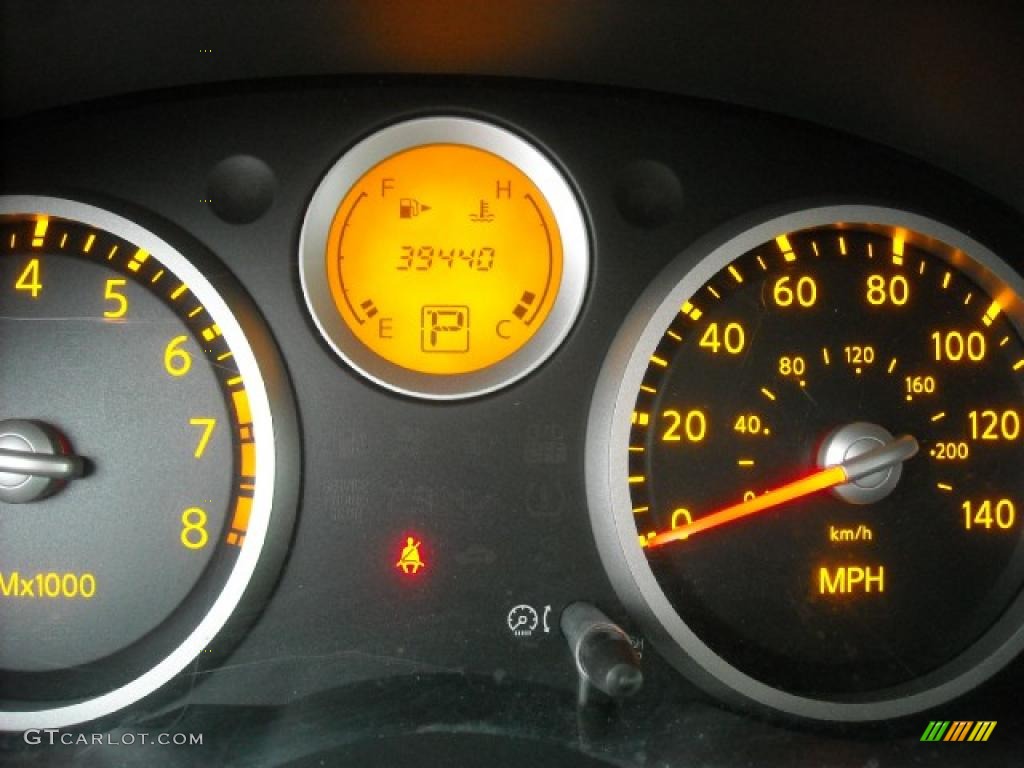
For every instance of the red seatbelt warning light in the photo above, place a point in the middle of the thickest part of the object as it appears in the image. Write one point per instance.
(410, 561)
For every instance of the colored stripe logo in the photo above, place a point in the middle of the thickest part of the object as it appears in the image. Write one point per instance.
(958, 730)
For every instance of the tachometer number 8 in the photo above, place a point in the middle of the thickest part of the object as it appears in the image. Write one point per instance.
(193, 528)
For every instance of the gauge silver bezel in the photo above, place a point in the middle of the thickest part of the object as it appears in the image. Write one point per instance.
(265, 433)
(379, 146)
(607, 470)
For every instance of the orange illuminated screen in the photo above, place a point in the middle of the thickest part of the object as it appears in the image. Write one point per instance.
(444, 259)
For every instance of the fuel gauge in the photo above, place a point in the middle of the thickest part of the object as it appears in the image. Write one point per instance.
(444, 257)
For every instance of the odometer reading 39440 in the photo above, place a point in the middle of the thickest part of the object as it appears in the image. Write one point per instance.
(820, 461)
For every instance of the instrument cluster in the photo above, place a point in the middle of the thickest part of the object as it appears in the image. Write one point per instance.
(481, 408)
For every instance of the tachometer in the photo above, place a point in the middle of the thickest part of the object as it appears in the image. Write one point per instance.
(805, 459)
(146, 482)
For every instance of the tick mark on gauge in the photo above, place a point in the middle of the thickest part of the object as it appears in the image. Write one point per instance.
(897, 250)
(991, 313)
(523, 307)
(370, 308)
(201, 505)
(787, 250)
(865, 475)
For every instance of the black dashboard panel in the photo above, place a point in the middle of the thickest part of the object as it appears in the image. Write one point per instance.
(940, 82)
(348, 661)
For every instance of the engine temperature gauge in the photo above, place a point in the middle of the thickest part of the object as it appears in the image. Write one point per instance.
(444, 257)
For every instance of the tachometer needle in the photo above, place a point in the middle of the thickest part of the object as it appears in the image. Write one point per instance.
(867, 463)
(52, 465)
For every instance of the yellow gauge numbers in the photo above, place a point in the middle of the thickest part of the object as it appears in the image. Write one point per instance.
(444, 259)
(838, 409)
(138, 459)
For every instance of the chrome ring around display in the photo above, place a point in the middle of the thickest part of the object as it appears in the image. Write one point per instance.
(265, 481)
(360, 159)
(610, 507)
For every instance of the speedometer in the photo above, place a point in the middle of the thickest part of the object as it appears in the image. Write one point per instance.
(805, 460)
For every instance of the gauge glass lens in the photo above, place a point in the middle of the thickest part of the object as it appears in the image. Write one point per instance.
(453, 263)
(825, 436)
(136, 455)
(444, 259)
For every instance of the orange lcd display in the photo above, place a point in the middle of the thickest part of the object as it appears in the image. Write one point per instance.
(444, 259)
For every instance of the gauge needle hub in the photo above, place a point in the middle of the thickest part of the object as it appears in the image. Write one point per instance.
(848, 471)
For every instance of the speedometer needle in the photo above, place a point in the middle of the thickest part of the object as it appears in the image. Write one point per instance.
(862, 465)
